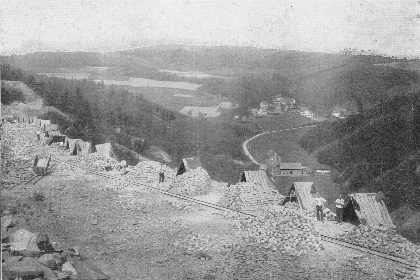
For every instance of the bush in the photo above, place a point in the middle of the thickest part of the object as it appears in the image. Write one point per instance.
(38, 196)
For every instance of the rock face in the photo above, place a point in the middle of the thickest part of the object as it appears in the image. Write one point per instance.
(195, 181)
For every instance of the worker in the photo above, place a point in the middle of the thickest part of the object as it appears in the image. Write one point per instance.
(339, 204)
(292, 195)
(123, 166)
(319, 207)
(161, 174)
(38, 135)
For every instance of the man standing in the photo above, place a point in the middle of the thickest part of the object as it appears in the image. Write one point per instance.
(339, 204)
(38, 135)
(319, 205)
(161, 174)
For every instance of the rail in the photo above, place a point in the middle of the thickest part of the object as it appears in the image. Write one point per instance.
(407, 264)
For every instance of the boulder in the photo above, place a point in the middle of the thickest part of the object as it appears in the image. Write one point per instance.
(24, 242)
(68, 267)
(26, 268)
(49, 260)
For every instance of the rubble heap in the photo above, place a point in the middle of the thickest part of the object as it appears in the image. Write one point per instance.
(382, 239)
(148, 172)
(195, 181)
(96, 162)
(280, 229)
(248, 195)
(28, 255)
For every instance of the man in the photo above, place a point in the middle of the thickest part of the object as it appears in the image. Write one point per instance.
(293, 197)
(161, 174)
(123, 166)
(339, 204)
(38, 135)
(319, 205)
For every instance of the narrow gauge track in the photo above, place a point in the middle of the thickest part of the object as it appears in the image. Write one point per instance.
(410, 266)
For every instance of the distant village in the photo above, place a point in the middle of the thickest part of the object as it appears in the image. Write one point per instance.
(281, 104)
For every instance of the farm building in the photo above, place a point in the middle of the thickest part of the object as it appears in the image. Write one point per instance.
(277, 168)
(105, 150)
(258, 177)
(369, 209)
(188, 164)
(305, 192)
(292, 168)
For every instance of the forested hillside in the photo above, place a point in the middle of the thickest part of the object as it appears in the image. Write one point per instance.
(317, 80)
(106, 114)
(377, 150)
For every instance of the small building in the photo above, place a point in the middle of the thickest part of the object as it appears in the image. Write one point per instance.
(292, 168)
(368, 209)
(105, 150)
(283, 104)
(305, 193)
(188, 164)
(84, 148)
(73, 146)
(258, 177)
(275, 167)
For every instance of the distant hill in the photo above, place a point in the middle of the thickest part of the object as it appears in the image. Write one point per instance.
(317, 80)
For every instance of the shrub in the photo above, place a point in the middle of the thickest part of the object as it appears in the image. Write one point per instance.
(38, 196)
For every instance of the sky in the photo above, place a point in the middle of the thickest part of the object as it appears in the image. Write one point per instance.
(388, 27)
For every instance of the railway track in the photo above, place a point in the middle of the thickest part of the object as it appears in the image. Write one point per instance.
(408, 266)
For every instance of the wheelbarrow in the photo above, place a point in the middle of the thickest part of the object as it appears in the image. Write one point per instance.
(41, 167)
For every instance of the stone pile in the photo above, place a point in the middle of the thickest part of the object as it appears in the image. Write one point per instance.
(28, 255)
(382, 239)
(248, 196)
(195, 181)
(280, 229)
(96, 161)
(148, 172)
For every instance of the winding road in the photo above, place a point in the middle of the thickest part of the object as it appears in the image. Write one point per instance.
(245, 148)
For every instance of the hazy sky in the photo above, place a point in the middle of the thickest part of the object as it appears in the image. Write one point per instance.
(390, 27)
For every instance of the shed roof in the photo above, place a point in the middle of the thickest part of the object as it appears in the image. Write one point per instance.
(191, 163)
(373, 211)
(258, 177)
(105, 150)
(305, 192)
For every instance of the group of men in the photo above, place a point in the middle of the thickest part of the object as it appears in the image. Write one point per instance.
(320, 206)
(319, 203)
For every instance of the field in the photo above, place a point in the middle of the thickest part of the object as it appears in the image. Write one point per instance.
(278, 122)
(176, 99)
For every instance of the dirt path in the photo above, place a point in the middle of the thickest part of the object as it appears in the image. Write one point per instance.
(245, 144)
